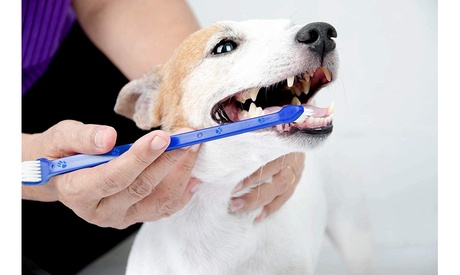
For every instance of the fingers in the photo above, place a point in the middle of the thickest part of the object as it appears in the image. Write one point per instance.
(285, 172)
(267, 192)
(83, 189)
(278, 201)
(295, 160)
(70, 137)
(157, 183)
(160, 190)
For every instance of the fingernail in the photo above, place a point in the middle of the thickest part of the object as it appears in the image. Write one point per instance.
(99, 138)
(195, 187)
(195, 147)
(236, 205)
(238, 188)
(261, 216)
(158, 143)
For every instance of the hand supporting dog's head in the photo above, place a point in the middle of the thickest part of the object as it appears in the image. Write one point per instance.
(235, 70)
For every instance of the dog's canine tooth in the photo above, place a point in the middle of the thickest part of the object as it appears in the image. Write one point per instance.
(290, 81)
(253, 93)
(326, 73)
(295, 101)
(331, 108)
(249, 94)
(306, 88)
(296, 91)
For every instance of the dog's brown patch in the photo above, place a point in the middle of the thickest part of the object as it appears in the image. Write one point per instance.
(174, 71)
(154, 100)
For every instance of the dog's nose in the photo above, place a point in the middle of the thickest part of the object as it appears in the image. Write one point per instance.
(318, 36)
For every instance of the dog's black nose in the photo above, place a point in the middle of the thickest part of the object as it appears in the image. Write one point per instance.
(318, 36)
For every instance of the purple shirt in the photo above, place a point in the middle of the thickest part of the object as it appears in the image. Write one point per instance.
(45, 23)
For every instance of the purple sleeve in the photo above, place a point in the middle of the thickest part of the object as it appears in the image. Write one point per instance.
(45, 23)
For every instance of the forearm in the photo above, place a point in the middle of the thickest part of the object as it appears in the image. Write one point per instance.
(136, 34)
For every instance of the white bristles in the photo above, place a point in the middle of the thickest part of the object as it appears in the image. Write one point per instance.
(306, 113)
(31, 171)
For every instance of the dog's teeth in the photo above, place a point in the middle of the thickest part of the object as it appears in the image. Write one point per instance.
(327, 73)
(298, 92)
(249, 94)
(319, 122)
(259, 111)
(306, 88)
(331, 108)
(306, 76)
(311, 73)
(253, 93)
(245, 114)
(295, 101)
(252, 109)
(290, 81)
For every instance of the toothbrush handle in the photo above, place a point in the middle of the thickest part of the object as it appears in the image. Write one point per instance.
(71, 163)
(80, 161)
(285, 115)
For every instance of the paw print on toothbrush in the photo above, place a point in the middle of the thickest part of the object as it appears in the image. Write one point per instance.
(61, 164)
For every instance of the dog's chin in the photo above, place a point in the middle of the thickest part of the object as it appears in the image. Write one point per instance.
(303, 140)
(315, 123)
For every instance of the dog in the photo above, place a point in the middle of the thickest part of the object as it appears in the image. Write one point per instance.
(223, 73)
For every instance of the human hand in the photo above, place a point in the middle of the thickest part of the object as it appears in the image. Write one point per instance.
(285, 172)
(136, 187)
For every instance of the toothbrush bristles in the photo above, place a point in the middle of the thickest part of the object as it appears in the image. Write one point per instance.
(302, 117)
(31, 171)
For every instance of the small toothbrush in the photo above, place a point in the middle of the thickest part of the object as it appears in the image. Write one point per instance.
(38, 172)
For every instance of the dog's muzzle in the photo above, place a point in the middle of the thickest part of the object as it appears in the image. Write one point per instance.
(298, 90)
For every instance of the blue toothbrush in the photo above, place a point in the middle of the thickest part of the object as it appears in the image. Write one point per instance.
(37, 172)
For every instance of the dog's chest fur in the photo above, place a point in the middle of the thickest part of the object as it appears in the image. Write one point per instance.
(204, 238)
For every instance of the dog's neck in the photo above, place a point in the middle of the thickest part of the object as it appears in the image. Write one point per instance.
(220, 166)
(224, 163)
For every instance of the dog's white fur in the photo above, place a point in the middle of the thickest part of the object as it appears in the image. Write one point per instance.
(204, 238)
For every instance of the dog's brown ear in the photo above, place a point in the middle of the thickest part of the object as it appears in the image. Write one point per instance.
(137, 100)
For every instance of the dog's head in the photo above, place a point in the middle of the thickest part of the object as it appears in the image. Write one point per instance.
(231, 71)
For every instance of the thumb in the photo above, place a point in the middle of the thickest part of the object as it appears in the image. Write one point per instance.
(70, 137)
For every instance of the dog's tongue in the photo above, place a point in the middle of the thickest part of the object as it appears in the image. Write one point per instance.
(308, 110)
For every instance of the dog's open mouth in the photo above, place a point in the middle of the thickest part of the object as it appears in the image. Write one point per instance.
(297, 90)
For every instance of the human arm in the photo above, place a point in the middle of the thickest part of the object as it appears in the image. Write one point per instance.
(136, 34)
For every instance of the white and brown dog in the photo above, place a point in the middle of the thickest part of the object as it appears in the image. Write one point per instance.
(228, 72)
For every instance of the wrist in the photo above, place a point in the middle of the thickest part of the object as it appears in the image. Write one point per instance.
(43, 193)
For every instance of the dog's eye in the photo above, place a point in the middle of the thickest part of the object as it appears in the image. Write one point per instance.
(224, 46)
